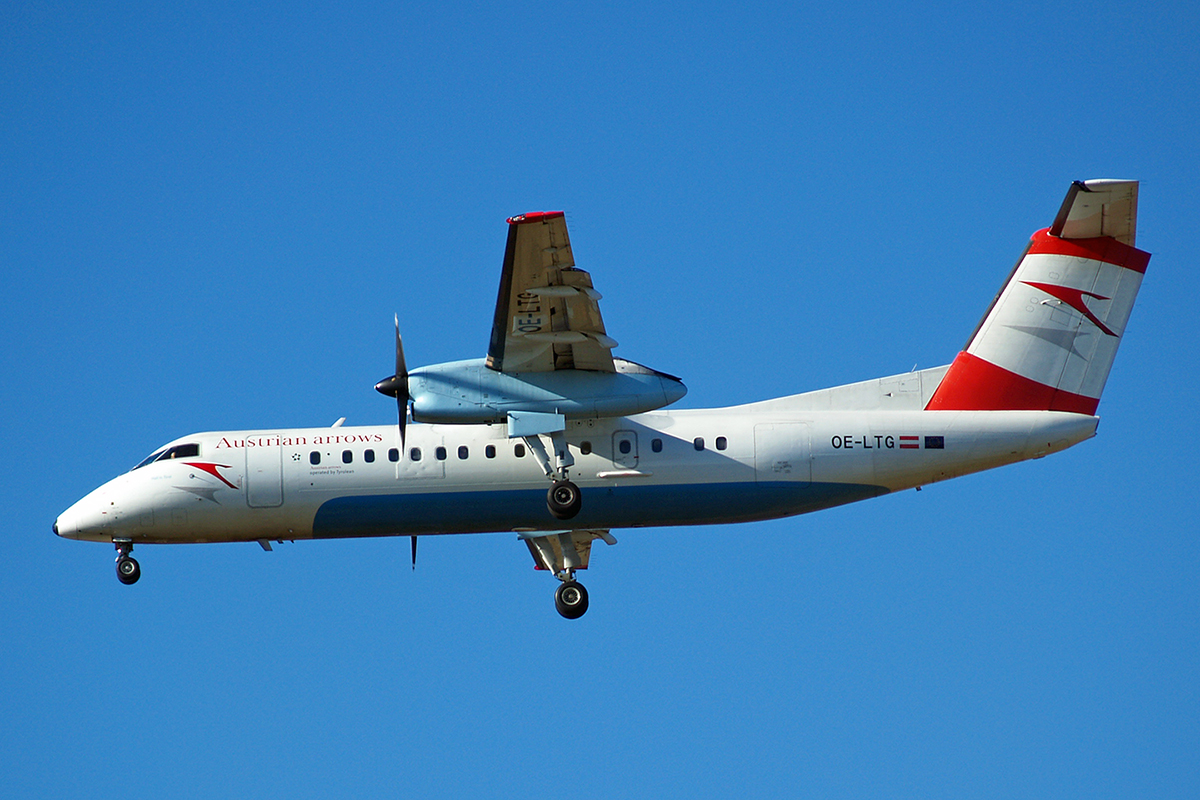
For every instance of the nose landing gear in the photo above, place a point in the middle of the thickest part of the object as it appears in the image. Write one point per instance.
(128, 569)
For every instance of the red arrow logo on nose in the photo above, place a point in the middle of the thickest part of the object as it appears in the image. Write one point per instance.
(211, 469)
(1073, 298)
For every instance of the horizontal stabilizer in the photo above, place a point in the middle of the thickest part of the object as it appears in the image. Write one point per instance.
(1098, 208)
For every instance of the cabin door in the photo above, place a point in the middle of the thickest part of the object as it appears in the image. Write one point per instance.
(264, 471)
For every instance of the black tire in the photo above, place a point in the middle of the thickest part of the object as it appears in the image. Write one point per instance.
(564, 499)
(571, 600)
(128, 570)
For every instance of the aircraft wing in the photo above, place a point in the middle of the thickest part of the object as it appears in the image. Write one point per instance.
(547, 313)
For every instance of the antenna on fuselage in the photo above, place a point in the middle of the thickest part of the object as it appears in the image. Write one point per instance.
(414, 553)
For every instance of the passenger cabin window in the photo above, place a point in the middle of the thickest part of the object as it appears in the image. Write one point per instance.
(490, 451)
(656, 445)
(625, 446)
(369, 456)
(415, 454)
(519, 451)
(347, 456)
(314, 458)
(698, 443)
(585, 448)
(440, 453)
(393, 455)
(463, 452)
(722, 443)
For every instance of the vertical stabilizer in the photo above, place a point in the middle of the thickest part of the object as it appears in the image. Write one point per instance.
(1049, 338)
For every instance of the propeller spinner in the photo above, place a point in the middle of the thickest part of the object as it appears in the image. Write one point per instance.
(397, 385)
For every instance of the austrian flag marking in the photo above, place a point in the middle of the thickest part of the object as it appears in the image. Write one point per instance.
(888, 441)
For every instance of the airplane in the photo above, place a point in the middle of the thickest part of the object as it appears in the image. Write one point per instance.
(553, 438)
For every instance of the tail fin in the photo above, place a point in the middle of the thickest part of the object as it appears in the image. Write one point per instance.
(1049, 338)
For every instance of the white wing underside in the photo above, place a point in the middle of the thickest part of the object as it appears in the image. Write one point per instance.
(547, 313)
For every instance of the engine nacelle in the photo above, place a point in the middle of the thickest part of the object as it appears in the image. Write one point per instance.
(469, 392)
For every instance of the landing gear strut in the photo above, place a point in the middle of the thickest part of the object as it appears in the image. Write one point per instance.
(571, 599)
(561, 553)
(128, 569)
(564, 498)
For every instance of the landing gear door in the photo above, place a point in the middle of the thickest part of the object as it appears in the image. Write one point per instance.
(625, 449)
(264, 472)
(783, 452)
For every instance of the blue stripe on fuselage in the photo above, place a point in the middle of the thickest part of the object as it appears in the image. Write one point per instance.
(603, 507)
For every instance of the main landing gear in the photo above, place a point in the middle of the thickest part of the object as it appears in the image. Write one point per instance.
(571, 599)
(128, 569)
(563, 498)
(561, 553)
(564, 501)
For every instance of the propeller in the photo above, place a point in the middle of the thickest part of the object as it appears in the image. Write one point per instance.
(397, 385)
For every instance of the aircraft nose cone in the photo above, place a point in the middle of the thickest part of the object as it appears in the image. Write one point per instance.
(91, 518)
(63, 526)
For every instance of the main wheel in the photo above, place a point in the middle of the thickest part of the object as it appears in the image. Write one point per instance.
(564, 499)
(128, 570)
(571, 600)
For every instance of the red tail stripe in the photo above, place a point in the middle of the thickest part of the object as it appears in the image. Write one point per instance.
(1103, 248)
(972, 384)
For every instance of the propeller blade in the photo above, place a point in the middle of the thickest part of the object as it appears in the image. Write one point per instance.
(401, 368)
(397, 385)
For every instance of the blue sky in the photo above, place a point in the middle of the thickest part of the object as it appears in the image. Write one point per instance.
(209, 215)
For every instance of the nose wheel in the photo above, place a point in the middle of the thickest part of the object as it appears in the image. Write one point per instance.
(128, 569)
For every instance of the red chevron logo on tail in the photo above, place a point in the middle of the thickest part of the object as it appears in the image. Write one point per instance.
(1073, 298)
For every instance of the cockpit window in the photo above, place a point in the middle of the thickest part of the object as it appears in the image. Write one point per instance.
(190, 450)
(180, 451)
(150, 458)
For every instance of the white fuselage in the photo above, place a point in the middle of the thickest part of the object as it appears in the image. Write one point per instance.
(669, 467)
